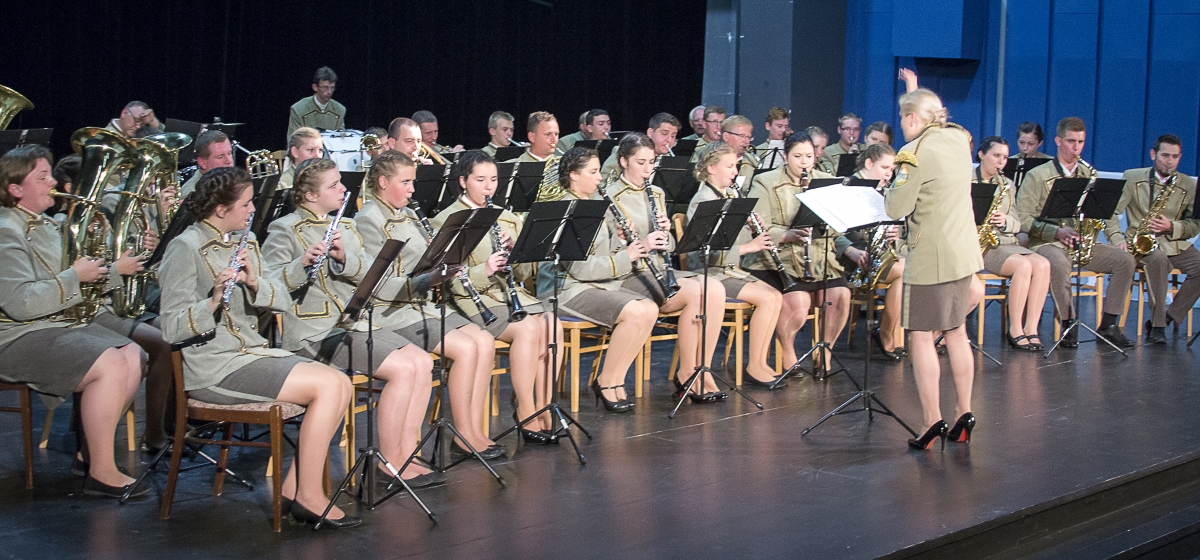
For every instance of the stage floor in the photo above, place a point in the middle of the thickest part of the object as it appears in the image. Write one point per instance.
(719, 481)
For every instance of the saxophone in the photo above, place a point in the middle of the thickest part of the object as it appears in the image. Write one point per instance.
(1144, 241)
(1089, 228)
(882, 255)
(988, 238)
(515, 311)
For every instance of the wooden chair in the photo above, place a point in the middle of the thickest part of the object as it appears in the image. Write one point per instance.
(1142, 283)
(990, 280)
(25, 409)
(130, 433)
(273, 414)
(873, 303)
(1085, 290)
(576, 332)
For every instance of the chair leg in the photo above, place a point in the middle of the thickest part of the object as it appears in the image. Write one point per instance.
(276, 468)
(130, 435)
(573, 356)
(46, 423)
(1099, 298)
(222, 460)
(27, 434)
(980, 310)
(177, 445)
(349, 433)
(739, 317)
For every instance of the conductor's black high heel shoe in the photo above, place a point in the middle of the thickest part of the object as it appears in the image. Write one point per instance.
(937, 430)
(961, 432)
(611, 406)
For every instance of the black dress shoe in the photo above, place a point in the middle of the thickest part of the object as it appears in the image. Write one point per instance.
(428, 480)
(1071, 339)
(301, 514)
(492, 452)
(900, 351)
(539, 437)
(93, 487)
(769, 385)
(883, 355)
(1155, 335)
(1114, 334)
(79, 467)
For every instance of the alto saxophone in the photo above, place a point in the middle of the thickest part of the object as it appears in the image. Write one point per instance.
(1089, 228)
(1144, 241)
(988, 239)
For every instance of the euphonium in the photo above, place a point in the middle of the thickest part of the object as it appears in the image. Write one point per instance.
(11, 103)
(167, 173)
(131, 220)
(85, 231)
(987, 232)
(1142, 242)
(515, 311)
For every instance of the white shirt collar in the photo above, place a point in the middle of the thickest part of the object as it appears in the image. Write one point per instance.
(320, 105)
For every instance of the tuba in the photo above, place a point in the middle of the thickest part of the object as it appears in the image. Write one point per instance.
(11, 103)
(1144, 241)
(85, 231)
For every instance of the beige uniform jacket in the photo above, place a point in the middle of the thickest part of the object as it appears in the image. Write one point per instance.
(1137, 199)
(306, 112)
(316, 306)
(403, 298)
(829, 161)
(933, 195)
(724, 262)
(35, 288)
(216, 344)
(633, 202)
(567, 142)
(607, 265)
(775, 192)
(493, 290)
(1032, 195)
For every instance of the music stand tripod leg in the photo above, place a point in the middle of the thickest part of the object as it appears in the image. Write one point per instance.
(700, 368)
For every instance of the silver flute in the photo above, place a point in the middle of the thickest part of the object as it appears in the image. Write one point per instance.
(235, 263)
(315, 267)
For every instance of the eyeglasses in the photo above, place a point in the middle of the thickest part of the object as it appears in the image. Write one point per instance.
(718, 121)
(742, 136)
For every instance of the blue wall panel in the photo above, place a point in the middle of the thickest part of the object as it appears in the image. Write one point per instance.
(1071, 90)
(1121, 95)
(1173, 102)
(1129, 68)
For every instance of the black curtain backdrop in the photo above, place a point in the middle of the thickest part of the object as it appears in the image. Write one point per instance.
(248, 61)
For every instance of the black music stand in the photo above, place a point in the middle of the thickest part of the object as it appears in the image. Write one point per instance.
(505, 153)
(187, 154)
(10, 139)
(684, 147)
(846, 165)
(364, 464)
(605, 147)
(870, 402)
(353, 181)
(676, 176)
(459, 235)
(517, 184)
(1016, 168)
(270, 202)
(715, 225)
(1078, 198)
(433, 188)
(558, 231)
(771, 158)
(806, 218)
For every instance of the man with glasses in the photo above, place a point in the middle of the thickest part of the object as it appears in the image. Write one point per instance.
(319, 111)
(714, 115)
(738, 131)
(135, 115)
(849, 127)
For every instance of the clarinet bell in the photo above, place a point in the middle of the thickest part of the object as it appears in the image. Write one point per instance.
(516, 312)
(488, 316)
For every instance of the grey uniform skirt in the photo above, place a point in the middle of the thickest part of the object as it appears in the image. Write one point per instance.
(993, 259)
(257, 381)
(347, 350)
(937, 307)
(599, 306)
(501, 311)
(54, 360)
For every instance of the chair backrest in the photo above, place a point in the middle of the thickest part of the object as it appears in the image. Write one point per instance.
(679, 220)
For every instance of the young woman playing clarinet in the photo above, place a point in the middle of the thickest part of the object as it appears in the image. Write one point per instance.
(408, 310)
(642, 207)
(520, 320)
(717, 170)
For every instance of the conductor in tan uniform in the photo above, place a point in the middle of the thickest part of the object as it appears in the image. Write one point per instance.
(931, 191)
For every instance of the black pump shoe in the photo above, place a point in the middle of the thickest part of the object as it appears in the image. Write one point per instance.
(937, 430)
(961, 432)
(769, 385)
(881, 354)
(93, 487)
(620, 405)
(302, 515)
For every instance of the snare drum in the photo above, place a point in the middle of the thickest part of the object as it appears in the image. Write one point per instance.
(342, 146)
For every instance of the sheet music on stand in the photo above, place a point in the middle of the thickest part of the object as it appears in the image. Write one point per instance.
(982, 195)
(845, 208)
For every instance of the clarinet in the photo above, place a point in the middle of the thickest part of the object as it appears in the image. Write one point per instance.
(808, 272)
(631, 237)
(236, 264)
(669, 272)
(488, 316)
(758, 228)
(515, 311)
(315, 267)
